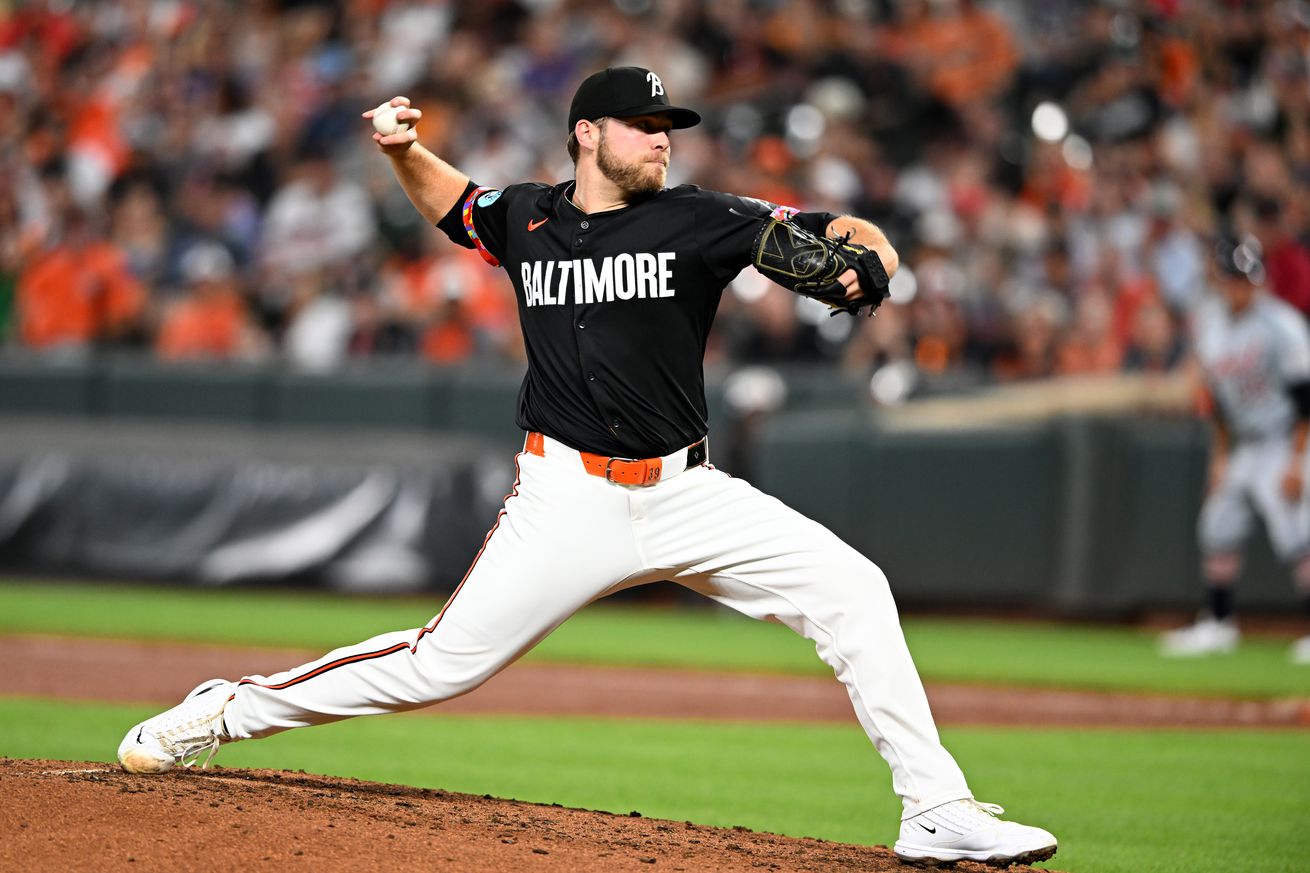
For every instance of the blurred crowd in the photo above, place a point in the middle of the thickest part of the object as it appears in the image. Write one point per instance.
(193, 178)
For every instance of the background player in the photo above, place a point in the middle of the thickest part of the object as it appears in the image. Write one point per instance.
(1254, 351)
(618, 280)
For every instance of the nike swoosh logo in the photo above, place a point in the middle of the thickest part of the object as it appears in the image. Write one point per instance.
(533, 225)
(928, 829)
(138, 733)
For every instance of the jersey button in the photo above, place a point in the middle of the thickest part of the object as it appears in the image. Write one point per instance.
(584, 225)
(582, 325)
(616, 424)
(577, 243)
(591, 377)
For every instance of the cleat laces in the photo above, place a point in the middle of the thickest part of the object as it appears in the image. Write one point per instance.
(968, 815)
(989, 809)
(192, 756)
(188, 734)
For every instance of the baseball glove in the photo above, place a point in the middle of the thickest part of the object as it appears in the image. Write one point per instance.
(808, 264)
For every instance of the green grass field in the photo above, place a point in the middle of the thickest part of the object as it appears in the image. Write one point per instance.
(1119, 800)
(955, 650)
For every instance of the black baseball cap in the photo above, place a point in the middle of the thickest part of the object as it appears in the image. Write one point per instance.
(622, 92)
(1238, 258)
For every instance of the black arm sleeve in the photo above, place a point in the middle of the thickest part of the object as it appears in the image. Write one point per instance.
(1300, 394)
(815, 222)
(726, 227)
(452, 223)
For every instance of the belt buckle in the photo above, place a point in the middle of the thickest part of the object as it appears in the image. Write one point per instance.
(609, 475)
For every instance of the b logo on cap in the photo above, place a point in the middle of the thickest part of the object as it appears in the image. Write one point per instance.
(656, 86)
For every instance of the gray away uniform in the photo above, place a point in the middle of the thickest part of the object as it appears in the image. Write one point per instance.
(1249, 361)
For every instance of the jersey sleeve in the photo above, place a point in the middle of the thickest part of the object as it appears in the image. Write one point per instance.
(726, 225)
(478, 221)
(1293, 349)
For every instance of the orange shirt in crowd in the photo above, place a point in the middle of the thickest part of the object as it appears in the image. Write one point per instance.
(73, 295)
(485, 294)
(1178, 70)
(1133, 293)
(960, 58)
(448, 342)
(202, 326)
(486, 303)
(1081, 357)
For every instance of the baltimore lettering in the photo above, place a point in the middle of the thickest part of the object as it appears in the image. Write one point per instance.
(621, 277)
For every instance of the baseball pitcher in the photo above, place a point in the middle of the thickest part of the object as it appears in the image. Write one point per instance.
(617, 280)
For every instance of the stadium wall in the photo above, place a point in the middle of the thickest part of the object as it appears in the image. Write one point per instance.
(387, 478)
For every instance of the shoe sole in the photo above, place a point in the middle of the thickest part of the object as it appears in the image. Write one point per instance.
(1001, 861)
(139, 762)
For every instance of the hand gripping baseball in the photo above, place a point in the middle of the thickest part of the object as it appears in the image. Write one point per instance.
(812, 265)
(394, 123)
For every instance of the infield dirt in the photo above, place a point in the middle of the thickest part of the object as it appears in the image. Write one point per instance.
(92, 669)
(61, 815)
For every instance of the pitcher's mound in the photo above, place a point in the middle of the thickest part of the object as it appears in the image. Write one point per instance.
(69, 815)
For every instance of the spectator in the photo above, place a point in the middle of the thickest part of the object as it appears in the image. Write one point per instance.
(1035, 331)
(957, 51)
(1286, 259)
(1089, 345)
(78, 292)
(210, 322)
(374, 333)
(450, 337)
(317, 220)
(1156, 345)
(192, 125)
(317, 337)
(1175, 254)
(140, 229)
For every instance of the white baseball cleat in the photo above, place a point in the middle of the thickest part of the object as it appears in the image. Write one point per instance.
(1300, 651)
(1209, 636)
(966, 830)
(179, 736)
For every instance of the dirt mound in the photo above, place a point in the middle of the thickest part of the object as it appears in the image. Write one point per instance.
(61, 815)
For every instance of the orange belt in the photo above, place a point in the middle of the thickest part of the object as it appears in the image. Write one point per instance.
(624, 471)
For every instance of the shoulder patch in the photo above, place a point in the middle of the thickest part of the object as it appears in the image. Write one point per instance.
(489, 198)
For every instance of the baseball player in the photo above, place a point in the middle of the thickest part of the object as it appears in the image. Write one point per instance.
(1254, 352)
(617, 280)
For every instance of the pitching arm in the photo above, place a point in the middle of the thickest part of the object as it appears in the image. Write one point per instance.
(432, 185)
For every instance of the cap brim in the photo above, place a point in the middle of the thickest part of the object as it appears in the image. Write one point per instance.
(682, 118)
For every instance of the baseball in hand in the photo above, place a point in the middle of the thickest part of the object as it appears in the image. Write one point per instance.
(384, 120)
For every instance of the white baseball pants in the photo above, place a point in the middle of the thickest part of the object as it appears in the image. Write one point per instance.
(566, 538)
(1253, 481)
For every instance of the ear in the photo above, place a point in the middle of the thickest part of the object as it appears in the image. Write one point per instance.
(588, 134)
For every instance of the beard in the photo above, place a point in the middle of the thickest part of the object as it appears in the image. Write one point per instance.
(633, 177)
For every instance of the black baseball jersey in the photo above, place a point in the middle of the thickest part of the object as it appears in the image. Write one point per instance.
(615, 307)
